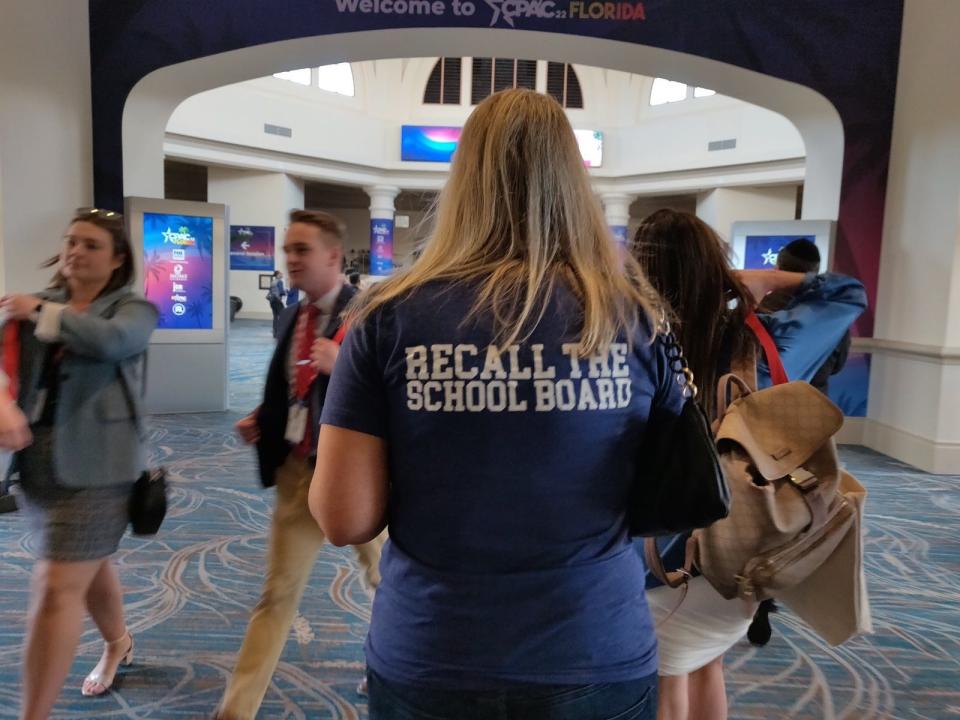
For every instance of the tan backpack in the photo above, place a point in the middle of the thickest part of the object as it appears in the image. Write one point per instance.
(794, 530)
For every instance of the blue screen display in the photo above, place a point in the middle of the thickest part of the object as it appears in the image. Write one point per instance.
(427, 143)
(760, 251)
(178, 269)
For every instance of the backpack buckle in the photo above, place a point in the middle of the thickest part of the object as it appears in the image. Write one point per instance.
(803, 478)
(745, 586)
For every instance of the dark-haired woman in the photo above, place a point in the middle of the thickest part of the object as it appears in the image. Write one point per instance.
(687, 263)
(80, 343)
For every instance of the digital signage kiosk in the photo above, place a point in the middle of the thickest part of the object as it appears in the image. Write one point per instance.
(182, 270)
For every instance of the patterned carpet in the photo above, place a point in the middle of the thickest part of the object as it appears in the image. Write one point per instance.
(190, 590)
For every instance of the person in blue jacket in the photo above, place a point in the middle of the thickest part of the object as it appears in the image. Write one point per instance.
(687, 263)
(491, 400)
(293, 296)
(275, 296)
(802, 256)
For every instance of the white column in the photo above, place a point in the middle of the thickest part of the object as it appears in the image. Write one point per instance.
(382, 211)
(466, 81)
(913, 413)
(540, 84)
(258, 199)
(616, 207)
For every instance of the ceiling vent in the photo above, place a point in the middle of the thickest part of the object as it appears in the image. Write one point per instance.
(277, 130)
(722, 145)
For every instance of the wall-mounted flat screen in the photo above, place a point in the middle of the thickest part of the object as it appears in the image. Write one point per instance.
(591, 147)
(251, 247)
(760, 251)
(428, 143)
(423, 143)
(756, 244)
(178, 269)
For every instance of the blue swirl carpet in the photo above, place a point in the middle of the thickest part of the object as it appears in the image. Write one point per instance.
(190, 591)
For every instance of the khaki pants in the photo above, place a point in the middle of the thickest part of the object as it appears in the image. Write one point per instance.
(295, 540)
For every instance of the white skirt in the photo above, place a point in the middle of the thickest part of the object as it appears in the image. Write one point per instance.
(702, 629)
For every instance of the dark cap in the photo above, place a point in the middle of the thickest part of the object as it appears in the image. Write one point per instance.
(800, 255)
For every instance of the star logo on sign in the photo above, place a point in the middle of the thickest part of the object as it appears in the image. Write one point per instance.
(770, 257)
(497, 12)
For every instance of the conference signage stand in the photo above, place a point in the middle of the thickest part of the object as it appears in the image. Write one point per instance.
(182, 265)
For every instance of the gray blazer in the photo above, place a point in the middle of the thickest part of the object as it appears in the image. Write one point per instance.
(98, 438)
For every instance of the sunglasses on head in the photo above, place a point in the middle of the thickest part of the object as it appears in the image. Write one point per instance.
(100, 212)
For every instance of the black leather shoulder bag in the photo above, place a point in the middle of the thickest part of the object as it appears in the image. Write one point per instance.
(679, 485)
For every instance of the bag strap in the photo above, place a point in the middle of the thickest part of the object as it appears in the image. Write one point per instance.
(678, 365)
(726, 386)
(777, 372)
(654, 560)
(11, 357)
(676, 360)
(745, 368)
(679, 578)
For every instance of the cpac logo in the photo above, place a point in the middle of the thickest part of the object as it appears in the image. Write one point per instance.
(510, 9)
(181, 237)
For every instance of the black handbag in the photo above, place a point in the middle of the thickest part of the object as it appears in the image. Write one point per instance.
(148, 501)
(679, 485)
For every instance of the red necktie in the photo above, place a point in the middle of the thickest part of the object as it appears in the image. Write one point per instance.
(306, 374)
(305, 371)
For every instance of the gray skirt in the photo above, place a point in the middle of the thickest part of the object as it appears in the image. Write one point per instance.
(68, 524)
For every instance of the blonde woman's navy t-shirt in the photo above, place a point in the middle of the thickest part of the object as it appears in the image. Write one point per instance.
(509, 559)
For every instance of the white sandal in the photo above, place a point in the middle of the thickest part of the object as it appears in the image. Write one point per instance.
(100, 680)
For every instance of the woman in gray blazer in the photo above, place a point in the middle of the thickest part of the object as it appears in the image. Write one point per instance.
(80, 346)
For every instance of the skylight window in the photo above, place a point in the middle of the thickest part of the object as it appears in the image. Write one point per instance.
(667, 91)
(336, 78)
(301, 77)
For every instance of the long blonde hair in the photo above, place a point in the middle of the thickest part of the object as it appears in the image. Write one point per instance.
(517, 215)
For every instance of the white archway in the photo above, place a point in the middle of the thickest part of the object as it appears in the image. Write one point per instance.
(156, 96)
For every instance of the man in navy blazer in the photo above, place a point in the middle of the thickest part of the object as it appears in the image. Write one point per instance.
(284, 429)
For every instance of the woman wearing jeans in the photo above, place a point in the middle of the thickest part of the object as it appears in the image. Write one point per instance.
(490, 400)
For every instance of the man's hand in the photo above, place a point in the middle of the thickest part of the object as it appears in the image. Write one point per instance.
(323, 355)
(247, 428)
(14, 429)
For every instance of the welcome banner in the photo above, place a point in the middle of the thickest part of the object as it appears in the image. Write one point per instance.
(847, 51)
